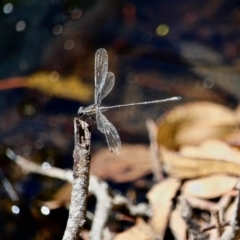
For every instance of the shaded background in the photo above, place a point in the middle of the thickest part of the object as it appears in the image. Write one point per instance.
(156, 49)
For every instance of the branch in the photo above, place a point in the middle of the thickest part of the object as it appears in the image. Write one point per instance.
(156, 165)
(104, 204)
(142, 209)
(31, 167)
(81, 167)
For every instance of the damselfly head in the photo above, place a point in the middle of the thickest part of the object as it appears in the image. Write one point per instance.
(80, 111)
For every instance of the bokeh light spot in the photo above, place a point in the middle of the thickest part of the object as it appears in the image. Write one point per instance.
(162, 30)
(54, 76)
(39, 144)
(45, 210)
(46, 165)
(15, 209)
(7, 8)
(43, 136)
(76, 13)
(208, 82)
(52, 121)
(29, 110)
(57, 29)
(20, 26)
(23, 65)
(10, 154)
(69, 44)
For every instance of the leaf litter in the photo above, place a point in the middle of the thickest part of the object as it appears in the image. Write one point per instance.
(201, 177)
(201, 163)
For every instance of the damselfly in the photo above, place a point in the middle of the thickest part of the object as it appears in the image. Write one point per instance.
(104, 82)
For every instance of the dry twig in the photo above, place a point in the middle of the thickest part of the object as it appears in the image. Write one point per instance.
(103, 207)
(81, 155)
(79, 177)
(156, 165)
(215, 214)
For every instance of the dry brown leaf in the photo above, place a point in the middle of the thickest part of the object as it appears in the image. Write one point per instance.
(212, 149)
(141, 231)
(194, 122)
(209, 187)
(196, 132)
(132, 163)
(160, 197)
(178, 225)
(180, 166)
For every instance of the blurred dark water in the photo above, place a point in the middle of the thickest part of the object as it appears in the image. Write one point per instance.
(180, 44)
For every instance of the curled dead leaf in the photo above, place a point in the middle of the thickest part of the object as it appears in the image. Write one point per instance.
(196, 132)
(177, 225)
(194, 122)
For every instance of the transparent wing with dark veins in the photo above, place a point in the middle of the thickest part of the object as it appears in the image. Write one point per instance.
(101, 67)
(107, 87)
(112, 136)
